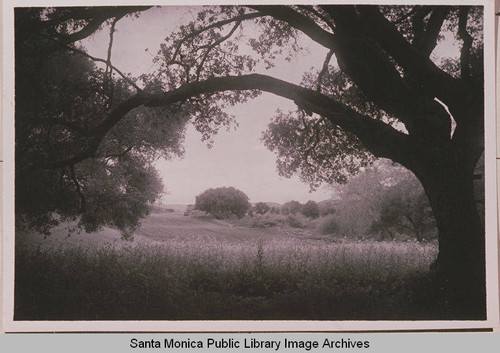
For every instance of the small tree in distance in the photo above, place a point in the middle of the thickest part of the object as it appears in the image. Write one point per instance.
(223, 202)
(262, 208)
(405, 209)
(310, 209)
(291, 207)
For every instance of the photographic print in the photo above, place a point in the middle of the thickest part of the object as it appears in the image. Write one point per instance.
(309, 162)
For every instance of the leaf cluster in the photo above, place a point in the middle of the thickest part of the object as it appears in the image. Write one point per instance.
(313, 148)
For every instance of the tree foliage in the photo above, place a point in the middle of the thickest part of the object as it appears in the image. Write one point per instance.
(310, 209)
(291, 207)
(405, 209)
(384, 199)
(223, 202)
(62, 97)
(261, 208)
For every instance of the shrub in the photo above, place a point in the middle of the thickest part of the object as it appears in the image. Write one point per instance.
(328, 225)
(291, 207)
(327, 208)
(297, 221)
(267, 220)
(262, 208)
(223, 202)
(310, 209)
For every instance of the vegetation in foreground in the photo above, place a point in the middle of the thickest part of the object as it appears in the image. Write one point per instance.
(286, 279)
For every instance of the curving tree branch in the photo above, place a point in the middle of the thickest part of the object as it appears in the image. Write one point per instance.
(93, 58)
(320, 15)
(427, 41)
(420, 66)
(96, 17)
(211, 46)
(299, 22)
(380, 138)
(218, 24)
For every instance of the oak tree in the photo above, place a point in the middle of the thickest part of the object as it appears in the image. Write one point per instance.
(223, 202)
(389, 96)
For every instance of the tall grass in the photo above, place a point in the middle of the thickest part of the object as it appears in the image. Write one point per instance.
(291, 279)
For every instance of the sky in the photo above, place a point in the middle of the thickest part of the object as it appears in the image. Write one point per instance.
(237, 158)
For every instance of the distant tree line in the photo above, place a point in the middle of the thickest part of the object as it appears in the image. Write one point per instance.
(384, 201)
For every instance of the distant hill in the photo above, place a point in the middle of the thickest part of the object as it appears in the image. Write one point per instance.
(270, 204)
(175, 207)
(182, 207)
(329, 203)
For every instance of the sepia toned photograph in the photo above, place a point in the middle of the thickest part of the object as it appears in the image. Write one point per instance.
(305, 162)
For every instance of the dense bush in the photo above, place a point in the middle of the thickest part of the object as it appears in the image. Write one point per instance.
(405, 209)
(297, 221)
(310, 209)
(261, 208)
(291, 207)
(327, 208)
(328, 225)
(223, 202)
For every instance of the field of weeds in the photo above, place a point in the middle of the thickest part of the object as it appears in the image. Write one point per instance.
(219, 277)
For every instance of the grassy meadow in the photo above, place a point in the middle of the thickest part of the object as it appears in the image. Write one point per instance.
(197, 268)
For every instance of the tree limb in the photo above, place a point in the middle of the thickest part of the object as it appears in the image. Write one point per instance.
(110, 44)
(219, 24)
(108, 73)
(467, 39)
(428, 40)
(380, 138)
(318, 14)
(299, 22)
(212, 46)
(435, 80)
(93, 58)
(418, 25)
(96, 17)
(324, 70)
(361, 56)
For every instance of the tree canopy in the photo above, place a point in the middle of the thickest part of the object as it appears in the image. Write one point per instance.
(223, 202)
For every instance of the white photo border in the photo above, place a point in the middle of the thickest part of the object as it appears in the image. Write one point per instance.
(492, 254)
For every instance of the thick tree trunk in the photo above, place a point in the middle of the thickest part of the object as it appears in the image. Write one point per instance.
(459, 270)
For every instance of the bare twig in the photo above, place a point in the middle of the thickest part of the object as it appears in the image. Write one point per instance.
(108, 79)
(218, 24)
(81, 52)
(211, 46)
